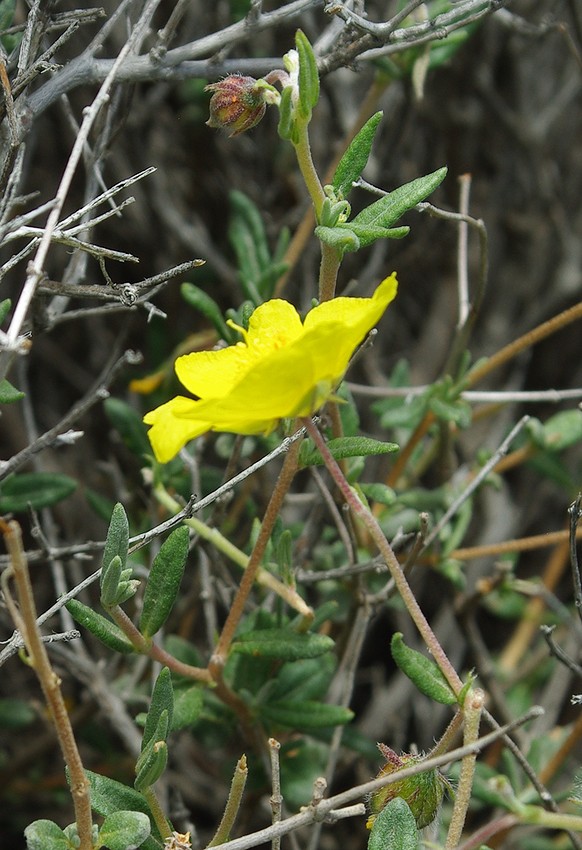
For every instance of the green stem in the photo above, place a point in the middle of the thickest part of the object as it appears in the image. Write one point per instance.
(552, 820)
(158, 815)
(232, 804)
(25, 618)
(390, 559)
(472, 708)
(281, 488)
(146, 647)
(308, 172)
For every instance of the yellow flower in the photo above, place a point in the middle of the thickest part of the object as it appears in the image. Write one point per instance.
(283, 368)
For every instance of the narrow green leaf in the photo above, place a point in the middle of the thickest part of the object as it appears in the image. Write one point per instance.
(162, 700)
(385, 211)
(282, 644)
(246, 212)
(16, 713)
(124, 830)
(562, 430)
(423, 672)
(34, 489)
(6, 304)
(308, 75)
(394, 828)
(340, 237)
(8, 393)
(163, 583)
(368, 234)
(354, 160)
(106, 631)
(129, 424)
(306, 715)
(344, 447)
(46, 835)
(188, 704)
(151, 766)
(308, 679)
(117, 540)
(201, 301)
(286, 128)
(110, 576)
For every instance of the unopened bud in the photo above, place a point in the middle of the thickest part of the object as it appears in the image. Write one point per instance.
(238, 103)
(423, 792)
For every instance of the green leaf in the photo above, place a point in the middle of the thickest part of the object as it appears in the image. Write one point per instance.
(106, 631)
(35, 490)
(307, 714)
(8, 393)
(340, 237)
(308, 75)
(6, 304)
(162, 700)
(110, 576)
(385, 211)
(344, 447)
(377, 492)
(423, 672)
(354, 160)
(201, 301)
(367, 234)
(287, 128)
(163, 583)
(456, 411)
(117, 540)
(16, 713)
(46, 835)
(394, 828)
(124, 830)
(563, 430)
(188, 704)
(128, 422)
(108, 796)
(298, 681)
(282, 644)
(151, 765)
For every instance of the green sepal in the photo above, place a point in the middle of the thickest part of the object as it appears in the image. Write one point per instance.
(341, 237)
(106, 631)
(308, 714)
(117, 540)
(163, 583)
(308, 75)
(423, 672)
(201, 301)
(8, 393)
(152, 766)
(282, 644)
(394, 827)
(46, 835)
(385, 211)
(354, 160)
(287, 129)
(162, 701)
(124, 830)
(344, 447)
(130, 426)
(34, 490)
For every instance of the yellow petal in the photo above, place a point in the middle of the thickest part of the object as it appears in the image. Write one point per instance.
(173, 425)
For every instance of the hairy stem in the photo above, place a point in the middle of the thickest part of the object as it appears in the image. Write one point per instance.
(390, 559)
(472, 709)
(232, 804)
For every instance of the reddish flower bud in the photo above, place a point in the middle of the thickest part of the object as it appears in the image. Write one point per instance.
(237, 104)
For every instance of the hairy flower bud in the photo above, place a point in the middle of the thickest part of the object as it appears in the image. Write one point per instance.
(238, 103)
(423, 792)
